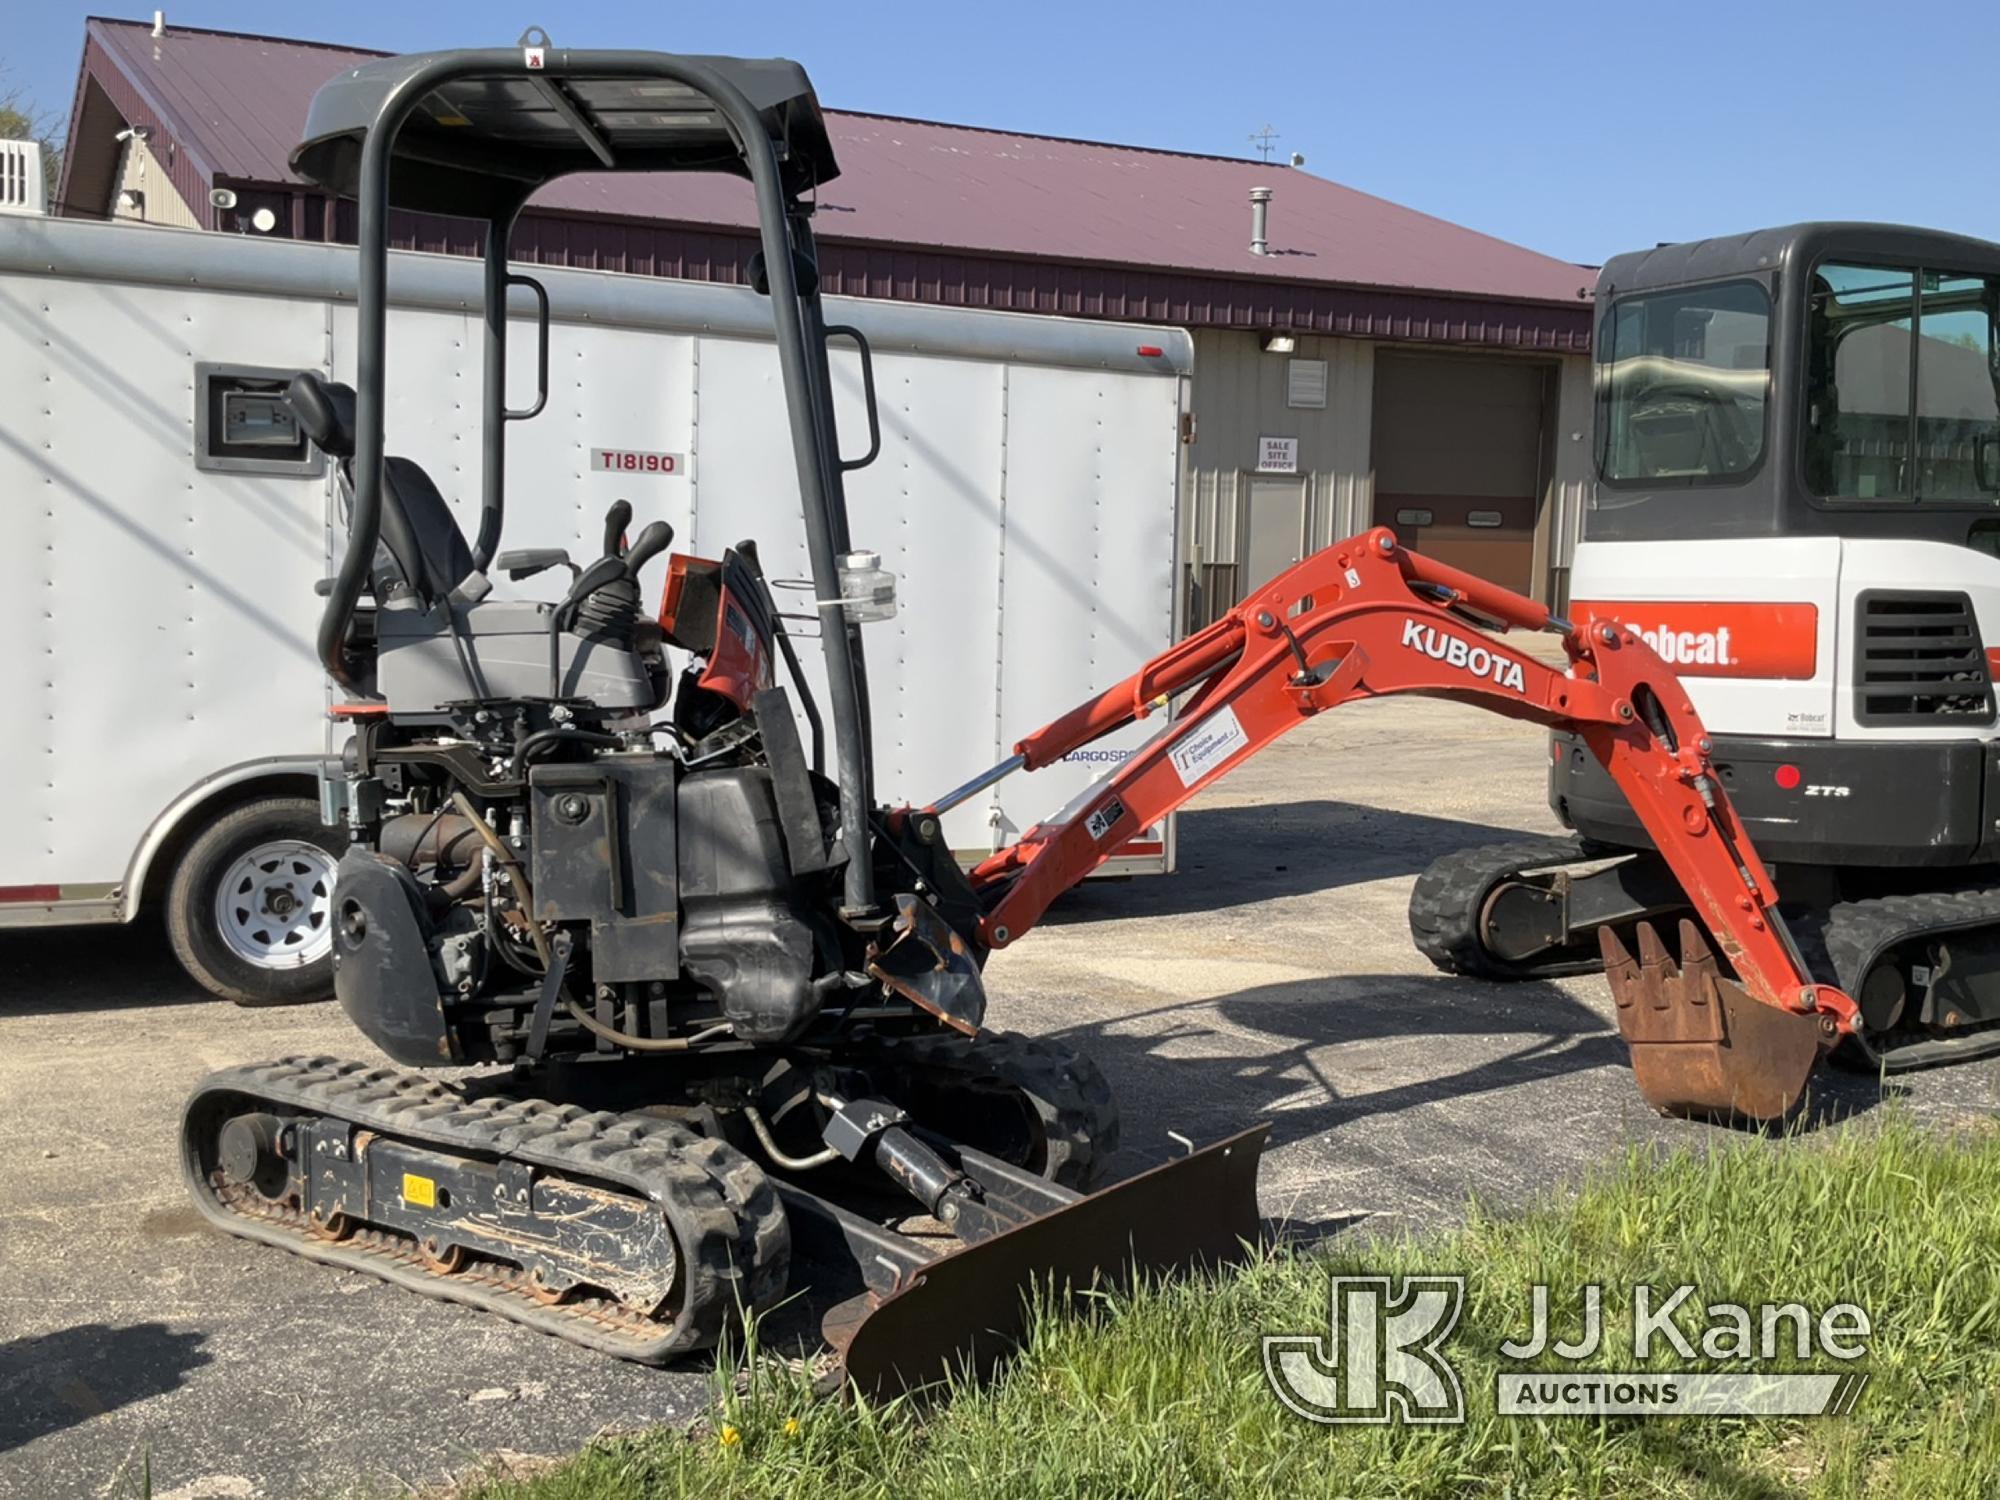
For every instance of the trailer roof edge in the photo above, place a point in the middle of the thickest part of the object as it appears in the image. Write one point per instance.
(147, 255)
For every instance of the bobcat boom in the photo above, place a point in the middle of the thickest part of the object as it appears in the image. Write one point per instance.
(731, 1002)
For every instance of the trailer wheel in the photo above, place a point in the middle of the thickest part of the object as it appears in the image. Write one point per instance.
(250, 905)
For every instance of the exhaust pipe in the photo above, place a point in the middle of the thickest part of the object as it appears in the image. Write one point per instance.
(1260, 221)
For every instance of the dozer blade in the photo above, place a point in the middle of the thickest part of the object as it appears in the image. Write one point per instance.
(1701, 1046)
(960, 1315)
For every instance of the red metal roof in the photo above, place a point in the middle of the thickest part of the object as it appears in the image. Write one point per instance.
(987, 214)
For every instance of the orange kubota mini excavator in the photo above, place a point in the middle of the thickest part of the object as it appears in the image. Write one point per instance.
(736, 1000)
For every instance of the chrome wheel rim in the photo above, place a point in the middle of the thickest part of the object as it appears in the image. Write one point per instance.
(274, 905)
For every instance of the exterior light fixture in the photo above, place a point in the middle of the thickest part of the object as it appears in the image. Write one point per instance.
(1279, 343)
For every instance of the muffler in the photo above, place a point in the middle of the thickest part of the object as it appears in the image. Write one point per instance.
(1701, 1046)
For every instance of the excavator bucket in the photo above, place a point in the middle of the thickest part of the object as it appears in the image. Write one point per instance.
(1701, 1046)
(959, 1315)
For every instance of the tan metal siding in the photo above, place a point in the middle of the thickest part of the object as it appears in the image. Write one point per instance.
(140, 171)
(1239, 396)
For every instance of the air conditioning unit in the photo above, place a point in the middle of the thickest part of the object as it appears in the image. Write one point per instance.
(21, 187)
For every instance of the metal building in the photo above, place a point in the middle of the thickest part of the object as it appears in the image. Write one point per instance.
(1356, 361)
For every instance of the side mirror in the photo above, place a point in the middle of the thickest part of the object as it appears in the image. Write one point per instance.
(526, 562)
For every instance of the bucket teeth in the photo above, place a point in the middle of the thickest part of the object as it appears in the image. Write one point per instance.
(1653, 955)
(1701, 1045)
(1695, 951)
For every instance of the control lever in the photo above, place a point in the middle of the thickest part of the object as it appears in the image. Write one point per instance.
(605, 570)
(655, 539)
(613, 571)
(616, 520)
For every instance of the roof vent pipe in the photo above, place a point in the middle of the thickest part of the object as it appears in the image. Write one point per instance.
(159, 23)
(1260, 221)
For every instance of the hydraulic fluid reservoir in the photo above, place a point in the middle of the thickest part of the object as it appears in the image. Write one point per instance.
(867, 589)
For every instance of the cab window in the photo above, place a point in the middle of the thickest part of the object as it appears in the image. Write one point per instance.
(1903, 385)
(1683, 377)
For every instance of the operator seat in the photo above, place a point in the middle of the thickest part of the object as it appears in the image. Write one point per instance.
(439, 639)
(428, 551)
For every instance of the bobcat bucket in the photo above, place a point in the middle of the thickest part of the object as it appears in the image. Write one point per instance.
(1701, 1046)
(929, 1318)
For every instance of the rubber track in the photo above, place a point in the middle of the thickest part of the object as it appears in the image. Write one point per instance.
(1073, 1103)
(730, 1230)
(1842, 943)
(1446, 901)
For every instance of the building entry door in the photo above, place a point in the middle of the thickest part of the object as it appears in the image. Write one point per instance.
(1273, 526)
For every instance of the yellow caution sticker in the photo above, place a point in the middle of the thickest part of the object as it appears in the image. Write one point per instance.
(419, 1192)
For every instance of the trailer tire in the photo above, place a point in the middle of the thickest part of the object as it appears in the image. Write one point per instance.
(270, 942)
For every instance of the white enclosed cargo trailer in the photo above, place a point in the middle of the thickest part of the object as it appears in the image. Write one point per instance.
(167, 526)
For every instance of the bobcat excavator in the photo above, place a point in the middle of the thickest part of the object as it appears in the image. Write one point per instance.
(729, 1002)
(1798, 506)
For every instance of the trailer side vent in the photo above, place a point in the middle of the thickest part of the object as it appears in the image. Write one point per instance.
(1919, 659)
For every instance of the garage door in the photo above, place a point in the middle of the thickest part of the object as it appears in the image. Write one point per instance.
(1458, 450)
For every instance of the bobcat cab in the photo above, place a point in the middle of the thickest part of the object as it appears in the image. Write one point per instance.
(1798, 506)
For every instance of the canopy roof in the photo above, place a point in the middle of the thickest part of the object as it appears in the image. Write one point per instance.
(481, 143)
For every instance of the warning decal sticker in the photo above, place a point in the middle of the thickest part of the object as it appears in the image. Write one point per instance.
(1208, 745)
(1101, 822)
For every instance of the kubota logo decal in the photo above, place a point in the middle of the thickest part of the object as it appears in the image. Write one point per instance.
(1768, 641)
(1456, 651)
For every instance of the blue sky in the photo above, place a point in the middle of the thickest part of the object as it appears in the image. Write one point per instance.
(1577, 129)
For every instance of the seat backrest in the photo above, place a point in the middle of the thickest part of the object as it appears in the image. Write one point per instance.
(325, 409)
(421, 533)
(418, 528)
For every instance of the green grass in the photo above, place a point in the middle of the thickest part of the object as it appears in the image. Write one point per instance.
(1163, 1394)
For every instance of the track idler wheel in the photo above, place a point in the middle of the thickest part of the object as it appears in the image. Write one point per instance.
(1701, 1046)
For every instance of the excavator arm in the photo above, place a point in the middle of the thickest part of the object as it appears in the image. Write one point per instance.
(1367, 618)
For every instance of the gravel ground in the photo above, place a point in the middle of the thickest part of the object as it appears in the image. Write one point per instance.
(1271, 978)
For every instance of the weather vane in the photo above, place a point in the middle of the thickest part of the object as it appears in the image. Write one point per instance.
(1262, 139)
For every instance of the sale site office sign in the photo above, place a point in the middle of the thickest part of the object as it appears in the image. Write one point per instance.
(1726, 638)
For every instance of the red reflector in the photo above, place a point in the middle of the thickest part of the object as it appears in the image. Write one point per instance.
(30, 893)
(1150, 351)
(1787, 777)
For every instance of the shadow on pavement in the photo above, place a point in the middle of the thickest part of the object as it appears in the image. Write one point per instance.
(57, 1380)
(1163, 1065)
(69, 969)
(1237, 856)
(1208, 1067)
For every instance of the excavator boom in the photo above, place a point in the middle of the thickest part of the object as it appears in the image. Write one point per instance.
(1731, 1034)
